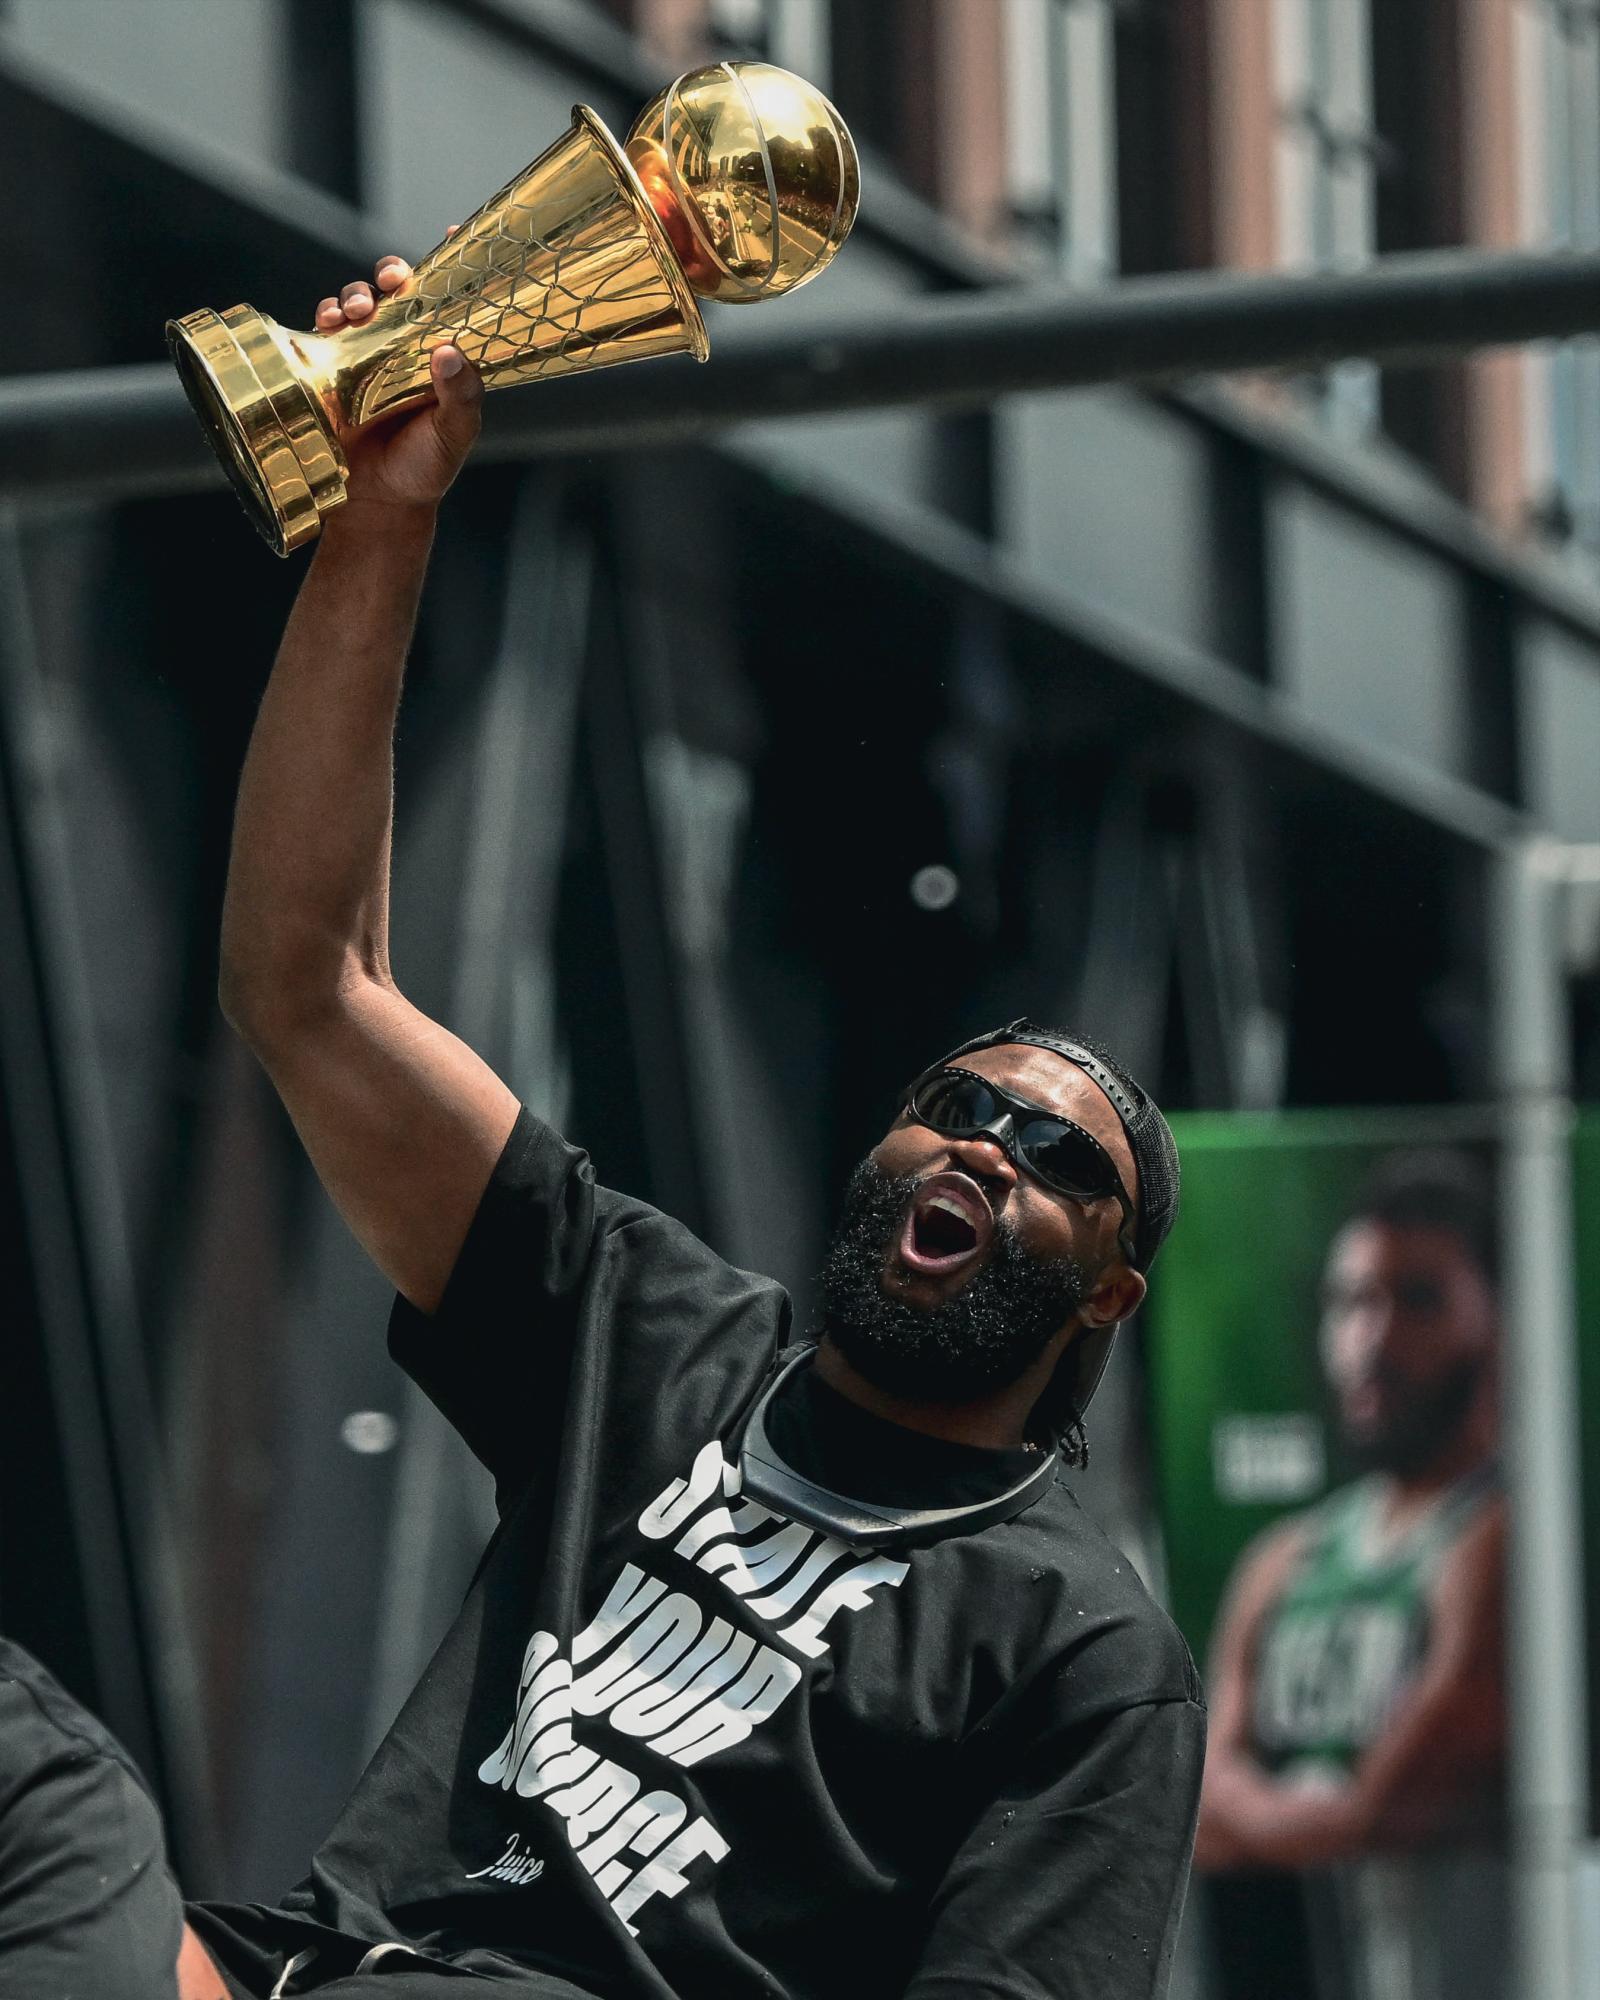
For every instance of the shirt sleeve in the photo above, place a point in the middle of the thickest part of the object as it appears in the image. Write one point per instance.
(1071, 1882)
(560, 1288)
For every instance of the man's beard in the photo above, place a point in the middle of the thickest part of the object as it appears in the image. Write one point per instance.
(981, 1338)
(1409, 1441)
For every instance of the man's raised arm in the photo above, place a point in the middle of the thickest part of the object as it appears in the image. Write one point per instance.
(403, 1122)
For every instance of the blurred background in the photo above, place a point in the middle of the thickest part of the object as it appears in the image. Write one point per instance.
(737, 779)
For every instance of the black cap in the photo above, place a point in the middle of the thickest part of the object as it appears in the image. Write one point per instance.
(1155, 1154)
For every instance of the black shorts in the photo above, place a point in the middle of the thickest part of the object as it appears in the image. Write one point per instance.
(88, 1906)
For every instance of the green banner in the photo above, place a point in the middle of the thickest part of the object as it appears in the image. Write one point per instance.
(1242, 1426)
(1259, 1292)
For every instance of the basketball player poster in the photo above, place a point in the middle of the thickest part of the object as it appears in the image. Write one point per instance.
(1324, 1377)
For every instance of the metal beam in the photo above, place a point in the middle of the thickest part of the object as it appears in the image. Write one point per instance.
(126, 431)
(1549, 1790)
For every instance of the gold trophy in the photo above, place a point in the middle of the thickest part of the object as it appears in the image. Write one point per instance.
(738, 182)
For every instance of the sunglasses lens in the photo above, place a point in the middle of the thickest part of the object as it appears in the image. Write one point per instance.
(1061, 1154)
(955, 1104)
(1065, 1157)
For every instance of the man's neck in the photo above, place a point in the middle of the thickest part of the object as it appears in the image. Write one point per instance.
(997, 1421)
(1472, 1445)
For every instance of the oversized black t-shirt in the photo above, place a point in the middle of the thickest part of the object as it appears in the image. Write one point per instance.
(678, 1747)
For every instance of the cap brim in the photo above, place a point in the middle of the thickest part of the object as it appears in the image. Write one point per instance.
(1091, 1352)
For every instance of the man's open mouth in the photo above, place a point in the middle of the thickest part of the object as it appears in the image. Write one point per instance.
(949, 1224)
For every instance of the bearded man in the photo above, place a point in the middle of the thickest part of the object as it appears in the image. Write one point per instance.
(793, 1669)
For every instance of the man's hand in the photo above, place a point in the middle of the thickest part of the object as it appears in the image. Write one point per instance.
(410, 460)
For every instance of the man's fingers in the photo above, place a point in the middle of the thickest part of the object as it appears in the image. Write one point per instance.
(356, 302)
(456, 382)
(456, 413)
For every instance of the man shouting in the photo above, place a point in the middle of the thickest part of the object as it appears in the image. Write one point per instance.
(793, 1669)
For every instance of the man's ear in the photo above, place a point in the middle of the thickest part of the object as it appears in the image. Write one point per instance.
(1117, 1294)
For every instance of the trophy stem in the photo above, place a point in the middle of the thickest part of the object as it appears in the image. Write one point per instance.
(566, 269)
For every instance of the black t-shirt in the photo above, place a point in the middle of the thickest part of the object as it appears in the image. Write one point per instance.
(837, 1444)
(677, 1747)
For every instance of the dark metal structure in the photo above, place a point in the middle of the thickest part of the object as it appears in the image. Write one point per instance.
(128, 430)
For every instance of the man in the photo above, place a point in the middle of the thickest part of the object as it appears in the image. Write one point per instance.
(1358, 1676)
(789, 1670)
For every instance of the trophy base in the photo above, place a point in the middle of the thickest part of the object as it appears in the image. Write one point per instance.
(263, 422)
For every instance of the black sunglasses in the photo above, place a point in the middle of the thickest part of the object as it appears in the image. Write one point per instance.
(1055, 1151)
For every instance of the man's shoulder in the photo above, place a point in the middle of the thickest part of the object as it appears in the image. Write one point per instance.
(1114, 1643)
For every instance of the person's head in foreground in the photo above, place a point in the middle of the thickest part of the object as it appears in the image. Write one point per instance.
(1410, 1318)
(995, 1237)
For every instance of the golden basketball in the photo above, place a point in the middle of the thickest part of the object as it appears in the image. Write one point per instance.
(753, 173)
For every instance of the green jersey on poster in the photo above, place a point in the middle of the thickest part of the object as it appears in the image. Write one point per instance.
(1340, 1645)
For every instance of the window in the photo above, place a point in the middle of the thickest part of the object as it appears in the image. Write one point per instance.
(1560, 124)
(1327, 152)
(1061, 161)
(792, 33)
(742, 23)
